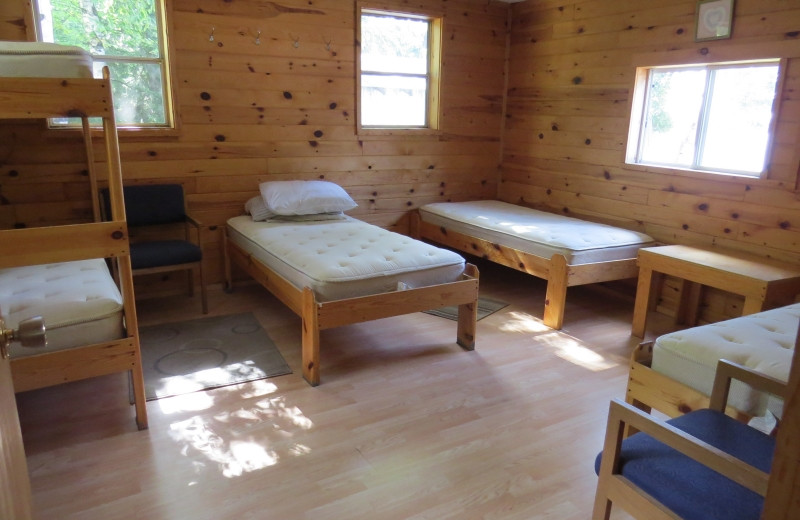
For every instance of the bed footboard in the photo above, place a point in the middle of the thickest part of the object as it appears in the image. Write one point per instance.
(317, 316)
(650, 390)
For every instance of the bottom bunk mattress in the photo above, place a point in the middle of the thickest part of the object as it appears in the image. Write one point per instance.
(79, 301)
(344, 258)
(538, 233)
(763, 342)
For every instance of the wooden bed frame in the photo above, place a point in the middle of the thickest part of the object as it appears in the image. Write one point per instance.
(317, 316)
(558, 273)
(41, 98)
(649, 390)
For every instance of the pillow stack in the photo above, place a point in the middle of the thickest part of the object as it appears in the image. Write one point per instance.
(298, 201)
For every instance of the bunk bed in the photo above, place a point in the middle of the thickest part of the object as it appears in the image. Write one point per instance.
(75, 248)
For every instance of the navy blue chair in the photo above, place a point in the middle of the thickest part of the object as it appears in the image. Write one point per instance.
(703, 465)
(157, 205)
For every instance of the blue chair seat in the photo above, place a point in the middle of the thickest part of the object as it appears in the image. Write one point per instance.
(688, 488)
(164, 253)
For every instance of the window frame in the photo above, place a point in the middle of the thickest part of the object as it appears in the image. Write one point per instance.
(635, 149)
(163, 16)
(711, 53)
(434, 80)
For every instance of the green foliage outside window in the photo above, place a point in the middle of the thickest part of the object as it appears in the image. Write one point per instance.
(122, 34)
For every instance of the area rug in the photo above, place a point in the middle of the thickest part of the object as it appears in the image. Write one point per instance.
(195, 355)
(486, 306)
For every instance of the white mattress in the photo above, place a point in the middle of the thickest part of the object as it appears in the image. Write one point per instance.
(344, 258)
(39, 59)
(763, 341)
(79, 301)
(536, 232)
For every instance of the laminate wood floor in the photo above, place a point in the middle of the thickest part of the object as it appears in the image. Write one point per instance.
(405, 425)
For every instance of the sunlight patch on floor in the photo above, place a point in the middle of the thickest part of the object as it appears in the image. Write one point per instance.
(199, 401)
(574, 351)
(523, 322)
(565, 347)
(221, 440)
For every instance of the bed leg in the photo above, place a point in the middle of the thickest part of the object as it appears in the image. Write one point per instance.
(413, 224)
(139, 399)
(556, 297)
(468, 315)
(310, 338)
(226, 262)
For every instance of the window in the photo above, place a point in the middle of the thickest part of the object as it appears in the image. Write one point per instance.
(126, 35)
(716, 118)
(399, 70)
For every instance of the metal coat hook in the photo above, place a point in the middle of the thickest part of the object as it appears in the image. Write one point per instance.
(258, 37)
(211, 36)
(296, 43)
(327, 43)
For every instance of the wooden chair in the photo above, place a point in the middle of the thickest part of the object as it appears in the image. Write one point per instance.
(703, 465)
(157, 205)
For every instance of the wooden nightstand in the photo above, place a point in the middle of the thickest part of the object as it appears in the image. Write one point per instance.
(763, 284)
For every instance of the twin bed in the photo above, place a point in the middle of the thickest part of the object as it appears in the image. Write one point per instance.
(338, 272)
(61, 272)
(564, 251)
(674, 373)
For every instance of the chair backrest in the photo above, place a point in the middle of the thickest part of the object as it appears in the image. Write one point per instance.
(151, 204)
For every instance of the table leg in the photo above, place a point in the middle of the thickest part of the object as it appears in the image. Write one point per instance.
(644, 291)
(752, 305)
(691, 294)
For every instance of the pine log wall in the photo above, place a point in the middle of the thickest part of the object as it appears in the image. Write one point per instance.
(251, 112)
(284, 109)
(571, 75)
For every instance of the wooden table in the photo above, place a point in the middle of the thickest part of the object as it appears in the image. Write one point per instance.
(762, 283)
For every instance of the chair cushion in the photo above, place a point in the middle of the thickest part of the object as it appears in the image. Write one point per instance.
(690, 489)
(164, 252)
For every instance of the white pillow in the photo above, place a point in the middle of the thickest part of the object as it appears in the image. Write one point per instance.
(305, 197)
(312, 217)
(256, 208)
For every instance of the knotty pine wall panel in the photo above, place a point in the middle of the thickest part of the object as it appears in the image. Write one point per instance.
(279, 110)
(571, 73)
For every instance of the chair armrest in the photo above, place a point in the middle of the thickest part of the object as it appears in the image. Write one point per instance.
(194, 222)
(728, 370)
(621, 413)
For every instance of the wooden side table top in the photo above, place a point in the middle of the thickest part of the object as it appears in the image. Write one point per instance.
(761, 282)
(716, 269)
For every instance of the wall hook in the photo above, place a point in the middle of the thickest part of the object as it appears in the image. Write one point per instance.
(211, 36)
(296, 43)
(327, 43)
(258, 38)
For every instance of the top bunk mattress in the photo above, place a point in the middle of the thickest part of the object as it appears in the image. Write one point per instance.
(79, 301)
(763, 342)
(44, 60)
(344, 258)
(536, 232)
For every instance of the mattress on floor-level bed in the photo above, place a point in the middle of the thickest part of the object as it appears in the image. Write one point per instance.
(79, 301)
(763, 342)
(536, 232)
(344, 258)
(41, 59)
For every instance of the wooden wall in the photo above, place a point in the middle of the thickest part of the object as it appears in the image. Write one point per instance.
(250, 113)
(571, 75)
